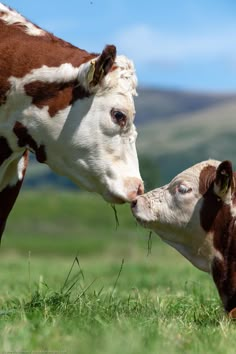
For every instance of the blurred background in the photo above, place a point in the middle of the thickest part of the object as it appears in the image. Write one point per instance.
(185, 58)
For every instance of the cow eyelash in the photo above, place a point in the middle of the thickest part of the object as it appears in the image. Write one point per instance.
(183, 189)
(119, 117)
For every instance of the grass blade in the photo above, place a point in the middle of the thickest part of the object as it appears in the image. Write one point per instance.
(117, 278)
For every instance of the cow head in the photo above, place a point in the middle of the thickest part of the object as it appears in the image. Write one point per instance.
(196, 214)
(91, 138)
(183, 213)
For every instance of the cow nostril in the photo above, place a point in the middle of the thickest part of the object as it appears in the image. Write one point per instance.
(140, 189)
(133, 203)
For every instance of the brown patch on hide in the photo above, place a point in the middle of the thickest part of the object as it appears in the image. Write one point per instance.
(8, 197)
(224, 271)
(4, 88)
(216, 217)
(26, 140)
(211, 204)
(20, 53)
(54, 95)
(41, 154)
(233, 192)
(5, 150)
(206, 178)
(232, 314)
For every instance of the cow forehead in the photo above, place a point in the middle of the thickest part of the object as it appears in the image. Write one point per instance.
(121, 78)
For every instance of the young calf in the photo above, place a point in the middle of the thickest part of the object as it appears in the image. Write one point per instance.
(195, 213)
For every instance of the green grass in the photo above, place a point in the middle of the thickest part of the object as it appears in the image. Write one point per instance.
(116, 299)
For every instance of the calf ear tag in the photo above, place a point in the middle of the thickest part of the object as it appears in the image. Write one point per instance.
(91, 71)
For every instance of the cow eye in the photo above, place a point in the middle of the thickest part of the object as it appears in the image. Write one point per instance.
(118, 117)
(183, 189)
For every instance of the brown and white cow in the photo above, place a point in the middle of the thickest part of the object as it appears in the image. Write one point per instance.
(196, 214)
(74, 110)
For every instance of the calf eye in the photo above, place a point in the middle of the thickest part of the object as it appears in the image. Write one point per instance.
(119, 117)
(183, 189)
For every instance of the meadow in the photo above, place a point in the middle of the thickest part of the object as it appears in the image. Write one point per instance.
(74, 281)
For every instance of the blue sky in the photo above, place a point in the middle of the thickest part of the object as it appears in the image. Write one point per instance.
(183, 44)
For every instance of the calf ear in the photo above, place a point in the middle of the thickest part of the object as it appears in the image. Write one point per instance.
(101, 66)
(224, 182)
(232, 313)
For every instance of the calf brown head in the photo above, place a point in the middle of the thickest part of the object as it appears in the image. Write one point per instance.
(195, 213)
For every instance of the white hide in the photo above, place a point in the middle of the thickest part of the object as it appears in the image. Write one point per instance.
(60, 74)
(11, 17)
(173, 212)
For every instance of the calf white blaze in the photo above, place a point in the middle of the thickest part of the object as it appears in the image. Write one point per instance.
(73, 109)
(195, 214)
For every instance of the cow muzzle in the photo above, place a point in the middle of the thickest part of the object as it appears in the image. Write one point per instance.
(130, 190)
(141, 210)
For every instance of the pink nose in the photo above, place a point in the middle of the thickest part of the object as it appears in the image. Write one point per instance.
(140, 189)
(137, 189)
(134, 203)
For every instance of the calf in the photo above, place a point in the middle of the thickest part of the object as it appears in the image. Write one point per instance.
(73, 109)
(196, 213)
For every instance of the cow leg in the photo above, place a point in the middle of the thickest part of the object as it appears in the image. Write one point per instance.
(9, 193)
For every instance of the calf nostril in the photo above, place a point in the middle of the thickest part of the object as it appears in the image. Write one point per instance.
(133, 203)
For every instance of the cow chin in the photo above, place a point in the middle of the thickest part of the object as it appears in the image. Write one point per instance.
(113, 199)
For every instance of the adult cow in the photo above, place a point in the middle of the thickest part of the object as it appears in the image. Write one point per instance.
(73, 109)
(196, 214)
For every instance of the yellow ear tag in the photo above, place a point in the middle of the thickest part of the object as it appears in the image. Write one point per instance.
(91, 71)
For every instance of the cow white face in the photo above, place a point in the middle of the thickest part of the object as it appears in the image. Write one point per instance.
(173, 212)
(93, 140)
(98, 147)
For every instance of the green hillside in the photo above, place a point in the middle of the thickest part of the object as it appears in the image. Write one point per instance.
(190, 138)
(157, 104)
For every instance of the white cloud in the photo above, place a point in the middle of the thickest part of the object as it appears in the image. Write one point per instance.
(144, 43)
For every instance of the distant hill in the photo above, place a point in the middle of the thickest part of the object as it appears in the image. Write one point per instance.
(191, 137)
(158, 104)
(176, 129)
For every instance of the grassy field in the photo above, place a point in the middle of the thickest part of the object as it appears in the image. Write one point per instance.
(74, 282)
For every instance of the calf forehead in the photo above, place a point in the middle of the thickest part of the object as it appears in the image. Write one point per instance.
(197, 173)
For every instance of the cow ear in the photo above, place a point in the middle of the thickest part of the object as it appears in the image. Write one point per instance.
(100, 66)
(224, 182)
